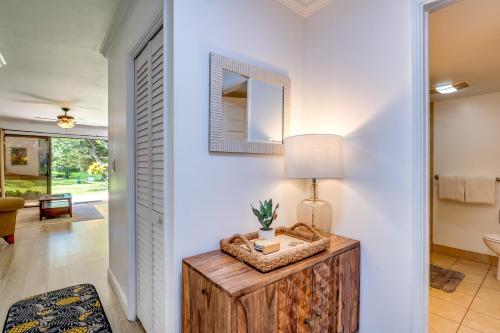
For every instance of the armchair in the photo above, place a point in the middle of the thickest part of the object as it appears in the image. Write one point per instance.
(8, 212)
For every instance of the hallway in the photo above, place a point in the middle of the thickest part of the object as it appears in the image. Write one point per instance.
(54, 256)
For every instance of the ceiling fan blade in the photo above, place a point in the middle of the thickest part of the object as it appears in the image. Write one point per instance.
(81, 107)
(60, 105)
(35, 102)
(47, 100)
(44, 119)
(38, 99)
(87, 123)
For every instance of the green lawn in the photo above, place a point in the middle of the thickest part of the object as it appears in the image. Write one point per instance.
(32, 187)
(23, 187)
(74, 188)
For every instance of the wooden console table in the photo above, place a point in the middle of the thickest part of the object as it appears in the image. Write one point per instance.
(317, 294)
(53, 205)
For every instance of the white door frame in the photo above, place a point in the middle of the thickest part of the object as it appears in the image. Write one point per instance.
(168, 172)
(420, 159)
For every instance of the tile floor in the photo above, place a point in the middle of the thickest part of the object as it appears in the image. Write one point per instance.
(51, 256)
(474, 307)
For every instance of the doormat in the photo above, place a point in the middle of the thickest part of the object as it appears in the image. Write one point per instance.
(445, 279)
(74, 309)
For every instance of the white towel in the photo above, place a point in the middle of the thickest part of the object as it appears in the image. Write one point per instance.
(451, 188)
(480, 190)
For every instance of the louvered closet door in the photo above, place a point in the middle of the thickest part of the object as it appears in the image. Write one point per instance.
(149, 146)
(144, 225)
(157, 169)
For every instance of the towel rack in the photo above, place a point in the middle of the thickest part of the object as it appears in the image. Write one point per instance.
(436, 177)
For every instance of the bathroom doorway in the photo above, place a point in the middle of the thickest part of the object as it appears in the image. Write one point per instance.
(463, 98)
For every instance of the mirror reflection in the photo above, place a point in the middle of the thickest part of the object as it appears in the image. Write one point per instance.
(252, 109)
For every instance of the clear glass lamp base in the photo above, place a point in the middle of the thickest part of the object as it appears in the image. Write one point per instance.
(316, 213)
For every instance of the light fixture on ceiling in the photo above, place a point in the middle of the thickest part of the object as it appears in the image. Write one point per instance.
(446, 89)
(449, 88)
(65, 121)
(2, 60)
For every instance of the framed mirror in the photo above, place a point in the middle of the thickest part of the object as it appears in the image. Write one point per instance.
(249, 107)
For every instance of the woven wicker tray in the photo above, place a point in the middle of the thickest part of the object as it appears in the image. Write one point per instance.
(310, 242)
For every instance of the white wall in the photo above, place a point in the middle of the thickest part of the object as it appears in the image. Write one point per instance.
(213, 192)
(358, 81)
(466, 141)
(137, 23)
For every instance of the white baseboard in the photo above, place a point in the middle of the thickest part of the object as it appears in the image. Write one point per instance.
(119, 292)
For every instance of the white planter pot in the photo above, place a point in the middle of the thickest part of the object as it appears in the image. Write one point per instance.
(266, 234)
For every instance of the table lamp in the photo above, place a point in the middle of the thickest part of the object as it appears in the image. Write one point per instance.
(314, 156)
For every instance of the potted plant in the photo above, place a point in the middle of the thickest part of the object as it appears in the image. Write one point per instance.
(266, 215)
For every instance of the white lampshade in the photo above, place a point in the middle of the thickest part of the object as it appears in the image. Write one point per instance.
(314, 156)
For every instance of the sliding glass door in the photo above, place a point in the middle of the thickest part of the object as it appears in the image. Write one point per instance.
(41, 165)
(80, 167)
(27, 167)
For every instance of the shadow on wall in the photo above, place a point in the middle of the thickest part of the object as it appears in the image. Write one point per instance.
(371, 180)
(373, 202)
(366, 167)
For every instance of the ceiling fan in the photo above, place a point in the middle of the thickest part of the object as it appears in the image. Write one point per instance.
(66, 121)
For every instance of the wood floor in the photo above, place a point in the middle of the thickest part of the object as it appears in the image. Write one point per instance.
(53, 256)
(474, 307)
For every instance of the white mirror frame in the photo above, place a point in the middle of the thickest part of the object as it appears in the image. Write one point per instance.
(219, 63)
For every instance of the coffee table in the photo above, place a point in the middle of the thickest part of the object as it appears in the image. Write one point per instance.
(53, 205)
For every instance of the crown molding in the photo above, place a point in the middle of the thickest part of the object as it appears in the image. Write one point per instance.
(303, 8)
(119, 16)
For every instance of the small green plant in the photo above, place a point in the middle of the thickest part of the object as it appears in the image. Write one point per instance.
(265, 214)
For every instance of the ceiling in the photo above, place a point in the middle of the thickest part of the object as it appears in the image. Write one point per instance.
(52, 52)
(305, 7)
(465, 46)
